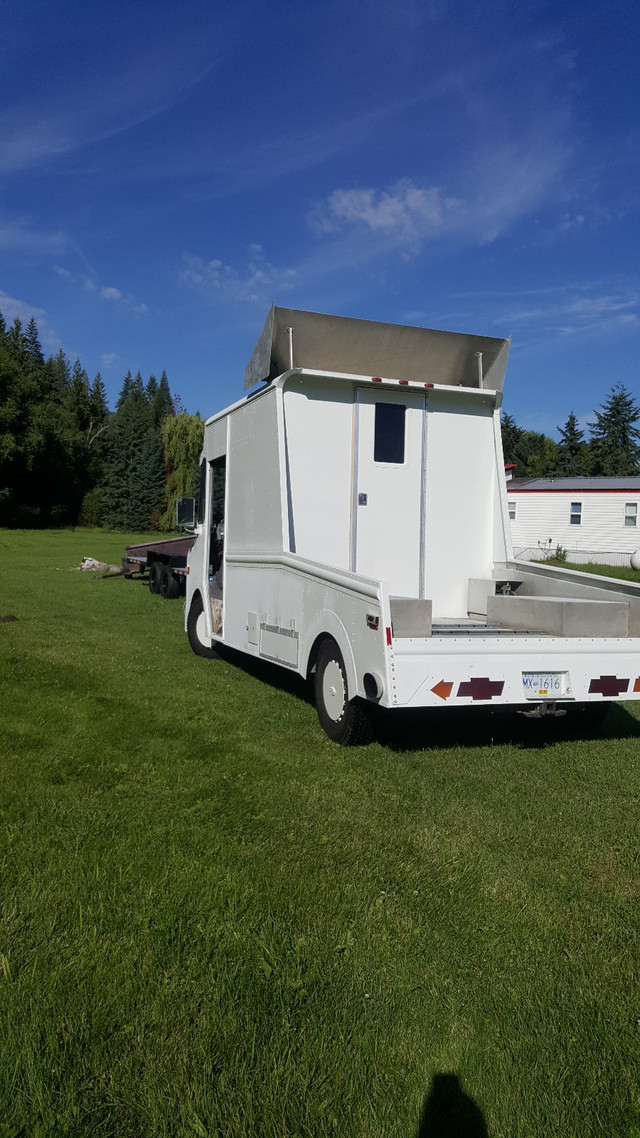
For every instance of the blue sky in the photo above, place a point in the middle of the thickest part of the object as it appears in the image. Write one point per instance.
(169, 169)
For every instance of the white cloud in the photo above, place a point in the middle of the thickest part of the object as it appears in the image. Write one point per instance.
(255, 284)
(406, 212)
(111, 294)
(13, 309)
(108, 359)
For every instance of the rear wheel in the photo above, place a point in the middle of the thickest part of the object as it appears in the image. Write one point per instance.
(155, 576)
(169, 585)
(345, 721)
(197, 630)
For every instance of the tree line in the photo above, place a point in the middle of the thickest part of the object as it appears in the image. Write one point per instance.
(613, 448)
(67, 459)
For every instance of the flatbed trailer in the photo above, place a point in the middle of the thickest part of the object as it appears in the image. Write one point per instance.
(165, 561)
(353, 526)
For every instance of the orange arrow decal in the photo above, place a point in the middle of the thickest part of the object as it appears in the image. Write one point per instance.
(443, 689)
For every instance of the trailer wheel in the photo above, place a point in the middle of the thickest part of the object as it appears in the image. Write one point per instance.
(197, 630)
(155, 576)
(169, 585)
(345, 721)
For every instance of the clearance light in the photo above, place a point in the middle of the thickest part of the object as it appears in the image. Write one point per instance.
(429, 384)
(376, 379)
(388, 635)
(403, 381)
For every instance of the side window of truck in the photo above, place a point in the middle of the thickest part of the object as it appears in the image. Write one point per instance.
(389, 429)
(218, 483)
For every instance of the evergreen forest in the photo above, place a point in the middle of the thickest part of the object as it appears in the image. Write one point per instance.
(67, 459)
(612, 450)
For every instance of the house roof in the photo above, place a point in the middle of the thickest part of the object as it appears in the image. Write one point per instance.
(582, 485)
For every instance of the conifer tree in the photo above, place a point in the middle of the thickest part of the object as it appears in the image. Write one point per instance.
(17, 344)
(127, 385)
(615, 438)
(161, 402)
(98, 410)
(78, 400)
(572, 454)
(34, 351)
(134, 479)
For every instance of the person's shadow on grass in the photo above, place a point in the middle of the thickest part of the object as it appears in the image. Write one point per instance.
(450, 1113)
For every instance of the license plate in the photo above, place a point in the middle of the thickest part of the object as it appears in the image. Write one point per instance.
(545, 685)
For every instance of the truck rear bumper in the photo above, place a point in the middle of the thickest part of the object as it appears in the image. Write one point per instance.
(453, 671)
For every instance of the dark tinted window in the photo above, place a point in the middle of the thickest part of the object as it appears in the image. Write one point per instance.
(218, 481)
(388, 445)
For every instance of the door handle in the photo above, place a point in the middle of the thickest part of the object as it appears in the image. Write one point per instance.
(362, 499)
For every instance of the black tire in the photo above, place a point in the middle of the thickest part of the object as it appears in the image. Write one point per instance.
(196, 630)
(345, 721)
(155, 576)
(169, 585)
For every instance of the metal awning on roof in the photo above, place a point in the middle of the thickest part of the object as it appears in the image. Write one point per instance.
(292, 338)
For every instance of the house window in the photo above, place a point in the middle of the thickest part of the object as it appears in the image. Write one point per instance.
(576, 513)
(388, 444)
(512, 511)
(631, 513)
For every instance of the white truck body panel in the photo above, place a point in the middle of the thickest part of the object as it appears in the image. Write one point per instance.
(374, 511)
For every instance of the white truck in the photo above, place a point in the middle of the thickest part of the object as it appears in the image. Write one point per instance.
(352, 526)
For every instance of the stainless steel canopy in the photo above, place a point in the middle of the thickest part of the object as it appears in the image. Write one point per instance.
(318, 342)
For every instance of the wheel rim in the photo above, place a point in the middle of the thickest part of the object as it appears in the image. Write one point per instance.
(201, 629)
(333, 690)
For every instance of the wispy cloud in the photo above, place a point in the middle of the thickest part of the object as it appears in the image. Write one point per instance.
(146, 62)
(256, 283)
(108, 359)
(19, 235)
(105, 292)
(568, 314)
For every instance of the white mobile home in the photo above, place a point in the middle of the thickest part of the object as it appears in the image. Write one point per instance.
(336, 538)
(585, 516)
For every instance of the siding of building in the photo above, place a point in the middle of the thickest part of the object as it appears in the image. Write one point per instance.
(543, 516)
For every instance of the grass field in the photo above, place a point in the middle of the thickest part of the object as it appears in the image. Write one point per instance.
(214, 922)
(623, 572)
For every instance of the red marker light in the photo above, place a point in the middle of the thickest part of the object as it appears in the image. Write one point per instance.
(403, 381)
(429, 385)
(388, 632)
(376, 379)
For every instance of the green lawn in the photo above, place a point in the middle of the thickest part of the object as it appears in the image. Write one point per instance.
(214, 922)
(623, 572)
